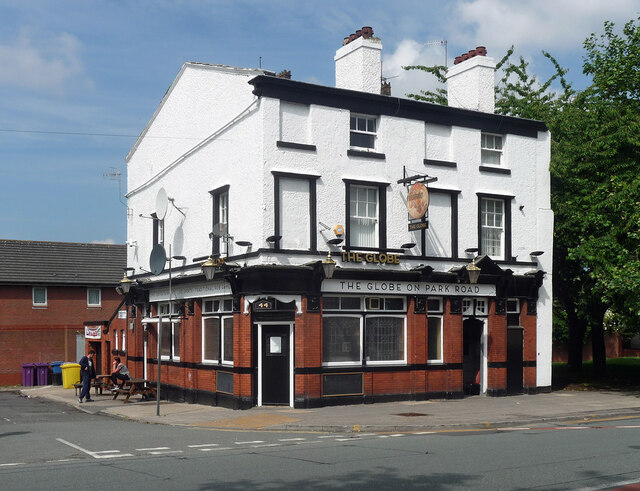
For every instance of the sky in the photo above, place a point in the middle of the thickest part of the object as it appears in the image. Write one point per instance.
(79, 79)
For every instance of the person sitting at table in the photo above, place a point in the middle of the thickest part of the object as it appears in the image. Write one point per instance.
(120, 373)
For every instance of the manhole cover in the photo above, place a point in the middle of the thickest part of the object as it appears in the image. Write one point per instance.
(410, 415)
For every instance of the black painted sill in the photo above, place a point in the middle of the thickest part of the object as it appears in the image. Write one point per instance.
(296, 146)
(495, 170)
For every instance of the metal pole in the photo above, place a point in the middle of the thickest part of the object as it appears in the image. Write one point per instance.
(159, 356)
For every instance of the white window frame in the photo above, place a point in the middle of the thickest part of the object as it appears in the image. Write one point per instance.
(353, 213)
(361, 333)
(367, 118)
(209, 361)
(124, 342)
(89, 304)
(435, 361)
(115, 337)
(33, 296)
(485, 226)
(475, 307)
(491, 144)
(402, 361)
(172, 325)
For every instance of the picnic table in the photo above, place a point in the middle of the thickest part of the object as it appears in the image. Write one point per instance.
(135, 386)
(97, 384)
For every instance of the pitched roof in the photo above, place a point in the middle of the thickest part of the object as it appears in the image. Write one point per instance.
(34, 262)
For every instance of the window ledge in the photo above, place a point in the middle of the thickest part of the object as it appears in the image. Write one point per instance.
(296, 146)
(496, 170)
(440, 163)
(364, 153)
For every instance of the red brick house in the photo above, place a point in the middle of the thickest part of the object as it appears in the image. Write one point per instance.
(48, 292)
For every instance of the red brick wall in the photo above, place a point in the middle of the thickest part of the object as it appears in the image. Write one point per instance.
(37, 335)
(528, 322)
(496, 348)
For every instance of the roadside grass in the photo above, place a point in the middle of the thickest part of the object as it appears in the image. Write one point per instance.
(622, 374)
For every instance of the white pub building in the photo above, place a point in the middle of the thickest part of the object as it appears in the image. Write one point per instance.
(304, 245)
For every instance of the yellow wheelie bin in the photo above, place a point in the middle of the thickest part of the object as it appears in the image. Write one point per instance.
(70, 375)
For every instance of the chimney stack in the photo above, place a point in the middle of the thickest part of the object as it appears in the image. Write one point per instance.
(358, 62)
(471, 81)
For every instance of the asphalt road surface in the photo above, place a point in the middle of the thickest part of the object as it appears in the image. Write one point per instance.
(47, 445)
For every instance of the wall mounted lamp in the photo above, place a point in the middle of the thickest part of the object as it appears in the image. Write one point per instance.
(471, 250)
(408, 245)
(335, 241)
(243, 243)
(208, 268)
(536, 253)
(329, 266)
(272, 239)
(473, 271)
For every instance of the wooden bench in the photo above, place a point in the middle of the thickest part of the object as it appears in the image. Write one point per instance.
(135, 386)
(96, 384)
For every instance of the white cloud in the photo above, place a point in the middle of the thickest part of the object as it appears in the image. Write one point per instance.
(42, 62)
(544, 24)
(410, 52)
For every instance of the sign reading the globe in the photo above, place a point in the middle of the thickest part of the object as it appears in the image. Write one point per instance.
(417, 200)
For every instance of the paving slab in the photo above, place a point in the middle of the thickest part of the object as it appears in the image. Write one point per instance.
(471, 412)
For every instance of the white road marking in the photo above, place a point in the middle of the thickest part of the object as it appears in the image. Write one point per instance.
(267, 445)
(397, 435)
(212, 449)
(95, 455)
(513, 429)
(247, 443)
(151, 448)
(204, 445)
(425, 433)
(107, 451)
(12, 463)
(291, 439)
(343, 439)
(305, 443)
(627, 427)
(163, 452)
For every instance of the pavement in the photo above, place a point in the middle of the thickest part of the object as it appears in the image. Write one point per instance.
(563, 407)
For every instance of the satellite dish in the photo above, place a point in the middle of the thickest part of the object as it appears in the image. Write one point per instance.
(158, 259)
(220, 229)
(162, 201)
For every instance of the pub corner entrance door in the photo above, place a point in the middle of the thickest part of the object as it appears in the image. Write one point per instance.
(275, 364)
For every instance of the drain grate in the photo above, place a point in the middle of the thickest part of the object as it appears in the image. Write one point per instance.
(410, 415)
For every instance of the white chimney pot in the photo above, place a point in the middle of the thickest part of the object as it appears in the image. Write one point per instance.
(359, 65)
(471, 84)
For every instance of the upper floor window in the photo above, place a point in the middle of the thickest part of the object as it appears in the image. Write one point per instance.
(158, 230)
(93, 297)
(364, 216)
(363, 131)
(220, 243)
(39, 296)
(492, 227)
(295, 210)
(491, 149)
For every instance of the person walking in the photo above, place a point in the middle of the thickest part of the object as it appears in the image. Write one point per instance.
(120, 372)
(87, 374)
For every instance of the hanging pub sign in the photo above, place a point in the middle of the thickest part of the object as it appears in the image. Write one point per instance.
(417, 206)
(417, 200)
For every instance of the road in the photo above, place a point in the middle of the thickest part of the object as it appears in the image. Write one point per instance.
(47, 445)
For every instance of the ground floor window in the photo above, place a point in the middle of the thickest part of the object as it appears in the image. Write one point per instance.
(434, 339)
(217, 340)
(170, 342)
(375, 334)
